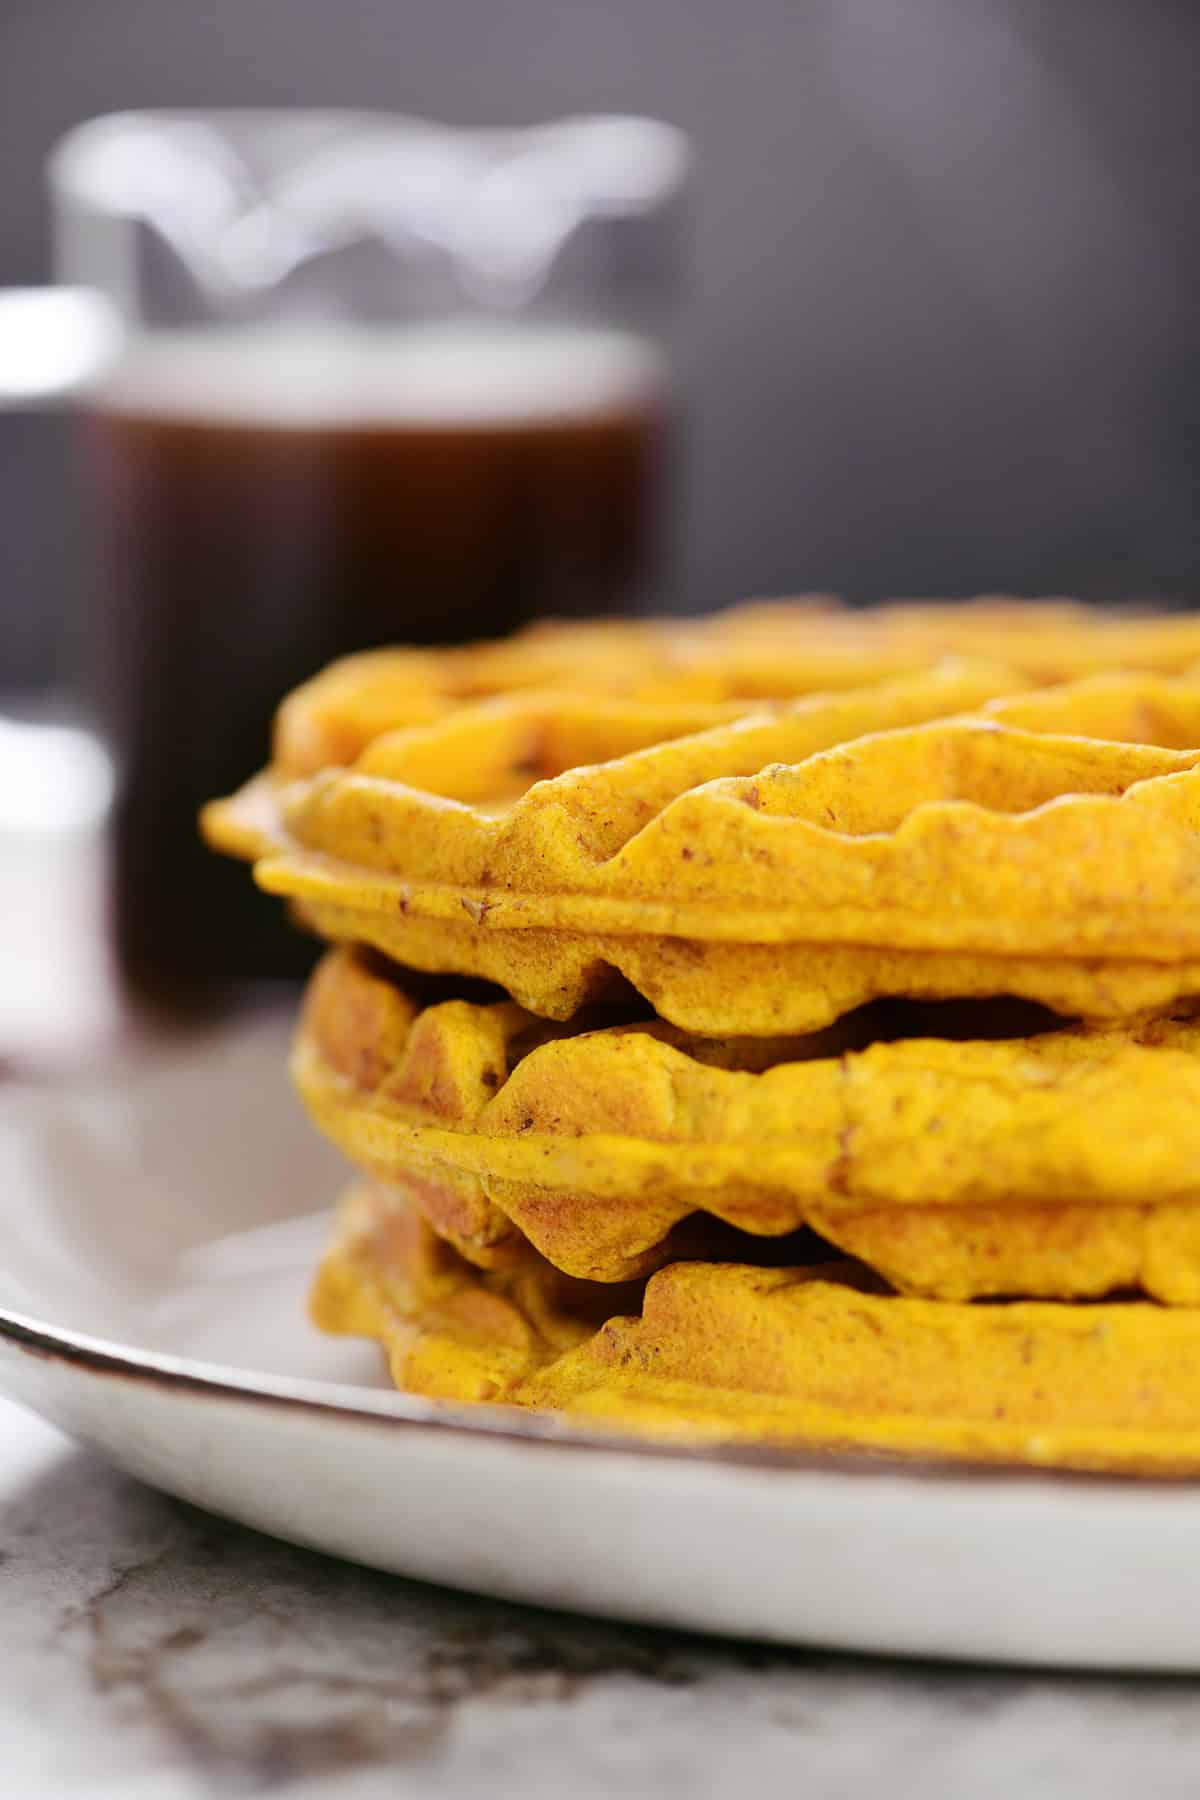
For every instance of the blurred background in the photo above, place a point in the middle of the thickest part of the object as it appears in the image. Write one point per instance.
(942, 315)
(937, 333)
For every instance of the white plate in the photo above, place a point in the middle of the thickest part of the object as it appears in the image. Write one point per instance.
(159, 1230)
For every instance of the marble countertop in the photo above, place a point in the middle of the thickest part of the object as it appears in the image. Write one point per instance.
(152, 1653)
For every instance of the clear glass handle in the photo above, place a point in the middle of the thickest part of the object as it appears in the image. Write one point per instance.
(54, 341)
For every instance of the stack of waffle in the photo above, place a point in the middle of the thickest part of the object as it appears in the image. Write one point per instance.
(823, 1073)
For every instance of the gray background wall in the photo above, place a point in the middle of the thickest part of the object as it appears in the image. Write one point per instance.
(944, 299)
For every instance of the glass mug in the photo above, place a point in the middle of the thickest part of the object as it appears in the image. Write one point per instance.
(343, 380)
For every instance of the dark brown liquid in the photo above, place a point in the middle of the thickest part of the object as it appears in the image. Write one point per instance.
(237, 559)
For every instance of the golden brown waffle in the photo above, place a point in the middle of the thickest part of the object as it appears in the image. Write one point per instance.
(776, 650)
(1065, 1163)
(750, 880)
(423, 850)
(807, 1357)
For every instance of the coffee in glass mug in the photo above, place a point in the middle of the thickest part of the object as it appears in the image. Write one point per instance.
(264, 505)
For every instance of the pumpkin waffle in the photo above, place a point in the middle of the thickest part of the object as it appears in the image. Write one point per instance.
(817, 1356)
(771, 650)
(1061, 1162)
(769, 874)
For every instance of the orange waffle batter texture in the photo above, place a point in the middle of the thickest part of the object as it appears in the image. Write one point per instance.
(839, 1079)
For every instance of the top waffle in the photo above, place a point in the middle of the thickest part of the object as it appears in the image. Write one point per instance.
(420, 846)
(772, 650)
(768, 874)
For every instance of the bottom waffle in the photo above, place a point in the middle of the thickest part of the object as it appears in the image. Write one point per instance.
(818, 1356)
